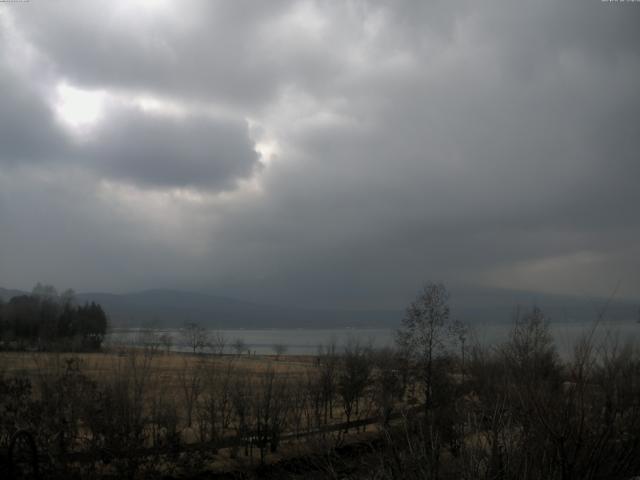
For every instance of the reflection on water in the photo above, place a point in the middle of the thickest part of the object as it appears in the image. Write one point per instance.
(306, 341)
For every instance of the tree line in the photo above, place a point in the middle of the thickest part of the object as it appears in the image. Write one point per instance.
(48, 320)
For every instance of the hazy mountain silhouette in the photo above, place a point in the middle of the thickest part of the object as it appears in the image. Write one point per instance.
(173, 308)
(170, 308)
(6, 294)
(491, 305)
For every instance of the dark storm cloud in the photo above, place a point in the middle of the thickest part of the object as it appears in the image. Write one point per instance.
(202, 50)
(171, 152)
(455, 141)
(486, 164)
(27, 127)
(152, 150)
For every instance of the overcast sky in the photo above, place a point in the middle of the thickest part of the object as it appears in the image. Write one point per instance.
(330, 153)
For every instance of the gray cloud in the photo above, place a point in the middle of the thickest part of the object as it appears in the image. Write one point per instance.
(491, 144)
(152, 150)
(28, 132)
(202, 49)
(171, 152)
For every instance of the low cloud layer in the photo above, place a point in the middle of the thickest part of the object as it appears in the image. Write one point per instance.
(317, 153)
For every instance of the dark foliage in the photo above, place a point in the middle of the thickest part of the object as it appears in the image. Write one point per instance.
(48, 322)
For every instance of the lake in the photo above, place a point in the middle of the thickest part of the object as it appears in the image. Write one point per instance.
(306, 341)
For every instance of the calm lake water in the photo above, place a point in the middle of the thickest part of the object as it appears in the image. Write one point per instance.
(306, 341)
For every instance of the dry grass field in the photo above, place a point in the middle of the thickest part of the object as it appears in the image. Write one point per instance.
(188, 383)
(167, 365)
(164, 375)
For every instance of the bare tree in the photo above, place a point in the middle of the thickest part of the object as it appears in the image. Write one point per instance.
(218, 342)
(195, 336)
(149, 338)
(241, 395)
(216, 408)
(299, 397)
(388, 387)
(269, 406)
(315, 400)
(117, 418)
(239, 346)
(460, 332)
(167, 341)
(530, 350)
(354, 377)
(190, 377)
(328, 360)
(424, 331)
(279, 349)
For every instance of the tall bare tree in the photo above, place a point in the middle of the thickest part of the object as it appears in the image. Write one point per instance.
(279, 349)
(425, 328)
(195, 336)
(191, 383)
(239, 346)
(218, 342)
(328, 360)
(354, 377)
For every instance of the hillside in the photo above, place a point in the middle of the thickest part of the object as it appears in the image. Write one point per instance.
(169, 308)
(173, 308)
(6, 294)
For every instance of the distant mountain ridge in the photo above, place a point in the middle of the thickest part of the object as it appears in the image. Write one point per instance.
(6, 293)
(172, 308)
(485, 305)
